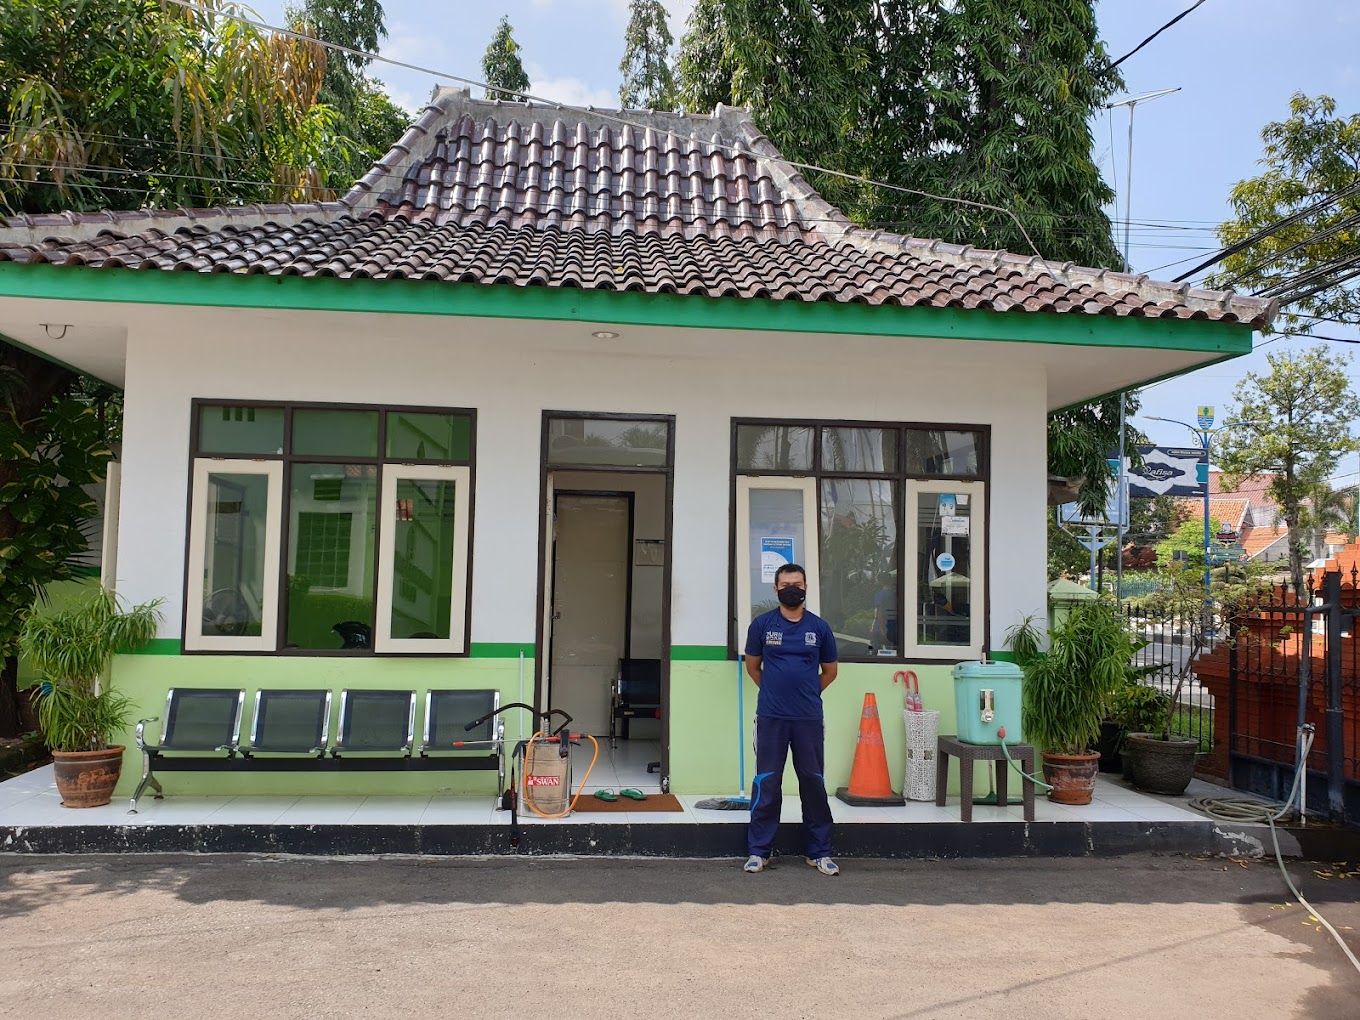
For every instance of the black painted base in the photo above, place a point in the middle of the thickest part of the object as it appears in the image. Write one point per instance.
(720, 839)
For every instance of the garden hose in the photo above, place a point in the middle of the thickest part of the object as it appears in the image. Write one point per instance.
(571, 804)
(1236, 809)
(1001, 736)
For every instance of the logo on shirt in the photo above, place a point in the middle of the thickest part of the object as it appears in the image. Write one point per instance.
(809, 638)
(774, 637)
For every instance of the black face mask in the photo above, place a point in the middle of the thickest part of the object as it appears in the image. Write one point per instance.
(791, 597)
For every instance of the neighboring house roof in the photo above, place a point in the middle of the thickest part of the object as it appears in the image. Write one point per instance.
(1258, 540)
(1264, 509)
(1235, 513)
(480, 191)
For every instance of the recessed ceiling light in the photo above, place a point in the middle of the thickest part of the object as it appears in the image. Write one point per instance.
(604, 334)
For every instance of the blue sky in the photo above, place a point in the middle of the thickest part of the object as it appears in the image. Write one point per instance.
(1237, 62)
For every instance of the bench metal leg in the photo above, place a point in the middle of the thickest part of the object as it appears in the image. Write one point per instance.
(147, 780)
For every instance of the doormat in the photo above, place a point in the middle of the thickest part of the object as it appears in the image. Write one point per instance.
(654, 802)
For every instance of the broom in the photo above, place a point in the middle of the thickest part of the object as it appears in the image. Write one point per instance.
(741, 802)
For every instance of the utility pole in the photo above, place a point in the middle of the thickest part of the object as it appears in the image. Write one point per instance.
(1121, 484)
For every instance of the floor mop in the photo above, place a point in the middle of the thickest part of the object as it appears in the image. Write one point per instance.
(741, 802)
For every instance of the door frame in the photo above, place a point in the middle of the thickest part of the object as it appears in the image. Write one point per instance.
(545, 527)
(630, 497)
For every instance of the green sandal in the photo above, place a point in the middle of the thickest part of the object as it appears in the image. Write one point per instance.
(633, 794)
(606, 795)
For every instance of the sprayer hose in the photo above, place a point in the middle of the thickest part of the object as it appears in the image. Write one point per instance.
(1239, 809)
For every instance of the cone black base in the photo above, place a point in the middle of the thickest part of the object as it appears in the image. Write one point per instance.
(893, 800)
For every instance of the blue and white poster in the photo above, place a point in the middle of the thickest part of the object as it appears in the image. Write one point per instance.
(1169, 471)
(774, 553)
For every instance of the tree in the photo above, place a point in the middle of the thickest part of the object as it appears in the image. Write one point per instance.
(54, 442)
(125, 104)
(648, 81)
(1326, 510)
(1188, 538)
(366, 115)
(984, 100)
(1302, 413)
(502, 68)
(1311, 263)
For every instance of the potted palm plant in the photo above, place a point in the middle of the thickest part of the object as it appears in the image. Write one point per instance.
(79, 713)
(1067, 691)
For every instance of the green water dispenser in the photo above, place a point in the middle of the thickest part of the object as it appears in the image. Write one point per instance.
(987, 698)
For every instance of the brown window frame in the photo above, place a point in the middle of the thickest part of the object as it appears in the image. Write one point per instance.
(381, 461)
(899, 477)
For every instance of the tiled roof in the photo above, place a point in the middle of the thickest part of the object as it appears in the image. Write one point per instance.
(502, 193)
(1231, 512)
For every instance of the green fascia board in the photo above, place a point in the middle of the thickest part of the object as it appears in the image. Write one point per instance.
(426, 297)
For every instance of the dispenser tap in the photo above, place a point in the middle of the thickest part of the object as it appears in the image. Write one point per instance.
(987, 705)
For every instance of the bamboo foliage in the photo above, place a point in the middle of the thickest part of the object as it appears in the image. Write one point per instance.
(71, 651)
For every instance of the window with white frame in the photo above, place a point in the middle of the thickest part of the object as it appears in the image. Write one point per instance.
(888, 519)
(324, 529)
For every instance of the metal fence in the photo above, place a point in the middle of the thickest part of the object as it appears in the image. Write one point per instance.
(1173, 642)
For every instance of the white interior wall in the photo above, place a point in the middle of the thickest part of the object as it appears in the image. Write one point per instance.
(510, 371)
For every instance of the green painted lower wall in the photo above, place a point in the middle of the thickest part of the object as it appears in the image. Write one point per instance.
(703, 724)
(146, 678)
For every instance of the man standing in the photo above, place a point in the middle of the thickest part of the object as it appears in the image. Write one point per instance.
(791, 656)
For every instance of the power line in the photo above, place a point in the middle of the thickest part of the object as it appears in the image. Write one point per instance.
(1322, 235)
(1155, 34)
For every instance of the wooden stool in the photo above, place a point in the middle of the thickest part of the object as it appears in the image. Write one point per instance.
(969, 753)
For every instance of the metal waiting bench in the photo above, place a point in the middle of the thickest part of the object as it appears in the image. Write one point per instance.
(289, 732)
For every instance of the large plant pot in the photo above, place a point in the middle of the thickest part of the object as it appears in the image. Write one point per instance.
(87, 778)
(1072, 776)
(1162, 766)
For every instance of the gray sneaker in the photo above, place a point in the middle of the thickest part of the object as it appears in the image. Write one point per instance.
(825, 865)
(754, 864)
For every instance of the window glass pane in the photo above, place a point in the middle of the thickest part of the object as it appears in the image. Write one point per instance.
(335, 433)
(778, 535)
(774, 448)
(332, 524)
(240, 429)
(599, 441)
(422, 571)
(441, 437)
(233, 566)
(932, 452)
(943, 569)
(855, 450)
(859, 563)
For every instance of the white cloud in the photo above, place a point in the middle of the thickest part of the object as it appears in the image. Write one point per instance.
(569, 91)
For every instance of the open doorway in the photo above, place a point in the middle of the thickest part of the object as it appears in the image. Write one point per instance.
(605, 628)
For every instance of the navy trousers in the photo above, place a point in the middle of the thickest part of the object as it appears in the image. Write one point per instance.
(773, 739)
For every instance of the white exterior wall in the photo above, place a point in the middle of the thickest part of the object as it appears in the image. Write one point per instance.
(510, 371)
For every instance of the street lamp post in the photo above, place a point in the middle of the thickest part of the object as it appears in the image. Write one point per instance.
(1206, 437)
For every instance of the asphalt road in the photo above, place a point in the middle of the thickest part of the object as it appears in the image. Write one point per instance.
(242, 938)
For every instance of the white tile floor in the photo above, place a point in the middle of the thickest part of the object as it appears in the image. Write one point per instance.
(31, 800)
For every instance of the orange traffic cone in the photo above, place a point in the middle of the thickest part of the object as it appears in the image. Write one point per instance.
(869, 782)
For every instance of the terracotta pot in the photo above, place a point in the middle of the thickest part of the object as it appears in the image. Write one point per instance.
(1072, 776)
(87, 778)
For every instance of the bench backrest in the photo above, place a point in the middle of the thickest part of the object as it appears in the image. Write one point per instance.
(202, 719)
(447, 713)
(296, 721)
(376, 720)
(640, 682)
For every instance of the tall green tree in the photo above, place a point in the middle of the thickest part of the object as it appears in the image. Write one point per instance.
(648, 81)
(124, 104)
(989, 101)
(502, 67)
(1326, 510)
(366, 115)
(1301, 413)
(1311, 156)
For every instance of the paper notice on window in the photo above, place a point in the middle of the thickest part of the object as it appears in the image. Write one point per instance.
(954, 525)
(774, 553)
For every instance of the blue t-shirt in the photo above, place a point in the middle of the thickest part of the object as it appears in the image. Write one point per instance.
(791, 654)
